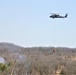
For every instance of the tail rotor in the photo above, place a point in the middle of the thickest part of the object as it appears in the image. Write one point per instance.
(66, 15)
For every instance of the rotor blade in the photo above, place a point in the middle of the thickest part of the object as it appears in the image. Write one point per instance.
(54, 13)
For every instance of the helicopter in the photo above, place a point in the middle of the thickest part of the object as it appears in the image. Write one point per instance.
(58, 16)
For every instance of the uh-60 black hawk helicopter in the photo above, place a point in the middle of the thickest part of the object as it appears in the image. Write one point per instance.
(54, 15)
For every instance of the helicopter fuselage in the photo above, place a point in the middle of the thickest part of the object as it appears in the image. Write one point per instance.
(58, 16)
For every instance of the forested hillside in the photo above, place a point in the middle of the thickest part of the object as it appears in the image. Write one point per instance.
(17, 60)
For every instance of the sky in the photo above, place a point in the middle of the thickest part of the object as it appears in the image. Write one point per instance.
(26, 23)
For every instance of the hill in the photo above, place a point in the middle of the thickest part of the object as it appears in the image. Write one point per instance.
(37, 60)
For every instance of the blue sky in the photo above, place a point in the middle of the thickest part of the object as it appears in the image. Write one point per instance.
(27, 23)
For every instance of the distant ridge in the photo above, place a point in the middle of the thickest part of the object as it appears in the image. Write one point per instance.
(10, 47)
(15, 48)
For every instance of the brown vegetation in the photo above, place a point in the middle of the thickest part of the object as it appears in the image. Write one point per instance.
(37, 60)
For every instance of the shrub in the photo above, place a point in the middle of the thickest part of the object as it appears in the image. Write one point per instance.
(3, 67)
